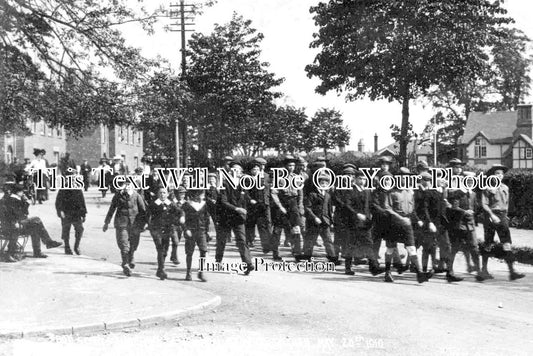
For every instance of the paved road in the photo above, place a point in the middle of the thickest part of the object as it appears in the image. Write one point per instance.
(316, 313)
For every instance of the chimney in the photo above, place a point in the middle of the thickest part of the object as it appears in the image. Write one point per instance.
(361, 146)
(524, 124)
(376, 142)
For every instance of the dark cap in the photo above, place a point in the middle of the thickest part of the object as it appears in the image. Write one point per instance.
(289, 159)
(422, 165)
(349, 170)
(15, 188)
(455, 162)
(385, 159)
(404, 171)
(425, 176)
(350, 165)
(259, 160)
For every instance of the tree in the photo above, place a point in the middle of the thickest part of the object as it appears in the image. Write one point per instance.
(161, 101)
(286, 130)
(326, 130)
(502, 86)
(65, 43)
(511, 64)
(397, 50)
(233, 87)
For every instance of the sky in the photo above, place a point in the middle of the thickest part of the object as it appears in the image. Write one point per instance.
(288, 28)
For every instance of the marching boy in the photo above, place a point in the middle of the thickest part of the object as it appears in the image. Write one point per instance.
(319, 212)
(164, 216)
(179, 199)
(195, 229)
(495, 204)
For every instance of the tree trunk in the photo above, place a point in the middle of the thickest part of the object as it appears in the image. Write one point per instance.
(403, 132)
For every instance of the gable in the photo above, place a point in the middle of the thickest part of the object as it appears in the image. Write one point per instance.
(495, 126)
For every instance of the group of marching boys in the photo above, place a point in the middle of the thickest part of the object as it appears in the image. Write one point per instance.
(352, 223)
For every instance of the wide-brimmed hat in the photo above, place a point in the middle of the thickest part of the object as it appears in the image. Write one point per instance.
(455, 162)
(496, 167)
(227, 159)
(301, 160)
(182, 190)
(117, 157)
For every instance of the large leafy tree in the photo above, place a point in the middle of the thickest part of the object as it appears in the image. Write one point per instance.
(501, 87)
(326, 130)
(397, 50)
(161, 101)
(233, 87)
(285, 130)
(60, 52)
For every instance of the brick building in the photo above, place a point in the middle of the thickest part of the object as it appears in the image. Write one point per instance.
(14, 144)
(91, 145)
(107, 142)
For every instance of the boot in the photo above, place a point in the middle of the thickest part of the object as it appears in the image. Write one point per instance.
(373, 267)
(68, 251)
(161, 274)
(388, 277)
(348, 266)
(174, 255)
(131, 261)
(161, 266)
(400, 268)
(77, 246)
(201, 277)
(188, 276)
(450, 277)
(125, 268)
(276, 257)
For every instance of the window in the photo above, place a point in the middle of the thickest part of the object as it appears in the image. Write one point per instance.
(102, 136)
(529, 153)
(139, 138)
(50, 131)
(121, 137)
(43, 128)
(59, 131)
(480, 148)
(132, 137)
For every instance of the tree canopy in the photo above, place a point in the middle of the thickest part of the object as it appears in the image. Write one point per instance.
(398, 50)
(60, 54)
(233, 87)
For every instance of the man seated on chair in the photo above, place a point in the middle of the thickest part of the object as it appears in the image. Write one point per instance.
(15, 221)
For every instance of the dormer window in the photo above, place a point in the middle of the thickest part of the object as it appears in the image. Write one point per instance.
(480, 147)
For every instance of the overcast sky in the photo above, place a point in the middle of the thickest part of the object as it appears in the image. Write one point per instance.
(288, 28)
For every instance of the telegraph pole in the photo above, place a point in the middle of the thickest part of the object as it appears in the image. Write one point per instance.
(177, 12)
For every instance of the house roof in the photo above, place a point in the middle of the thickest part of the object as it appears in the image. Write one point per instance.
(394, 148)
(497, 127)
(526, 138)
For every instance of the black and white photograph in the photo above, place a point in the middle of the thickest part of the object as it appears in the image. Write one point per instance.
(260, 177)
